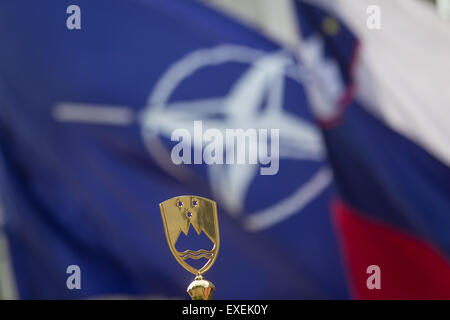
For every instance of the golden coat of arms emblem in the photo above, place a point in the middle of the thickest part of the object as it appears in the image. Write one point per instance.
(178, 214)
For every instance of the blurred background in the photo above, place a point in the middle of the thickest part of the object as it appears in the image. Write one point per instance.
(40, 70)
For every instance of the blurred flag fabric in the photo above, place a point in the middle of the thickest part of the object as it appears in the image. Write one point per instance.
(85, 136)
(382, 103)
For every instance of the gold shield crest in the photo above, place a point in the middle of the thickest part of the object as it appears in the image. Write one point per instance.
(178, 214)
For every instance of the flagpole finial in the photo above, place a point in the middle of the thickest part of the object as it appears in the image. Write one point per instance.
(201, 289)
(178, 215)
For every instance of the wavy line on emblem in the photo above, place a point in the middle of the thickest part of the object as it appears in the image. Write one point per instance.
(202, 253)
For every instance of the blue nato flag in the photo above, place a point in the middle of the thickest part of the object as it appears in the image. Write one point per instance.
(86, 121)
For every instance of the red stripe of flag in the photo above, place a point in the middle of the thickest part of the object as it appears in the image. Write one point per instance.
(410, 268)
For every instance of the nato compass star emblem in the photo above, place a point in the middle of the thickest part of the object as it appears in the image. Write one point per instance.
(261, 84)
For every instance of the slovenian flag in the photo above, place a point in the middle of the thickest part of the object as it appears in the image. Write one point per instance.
(382, 105)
